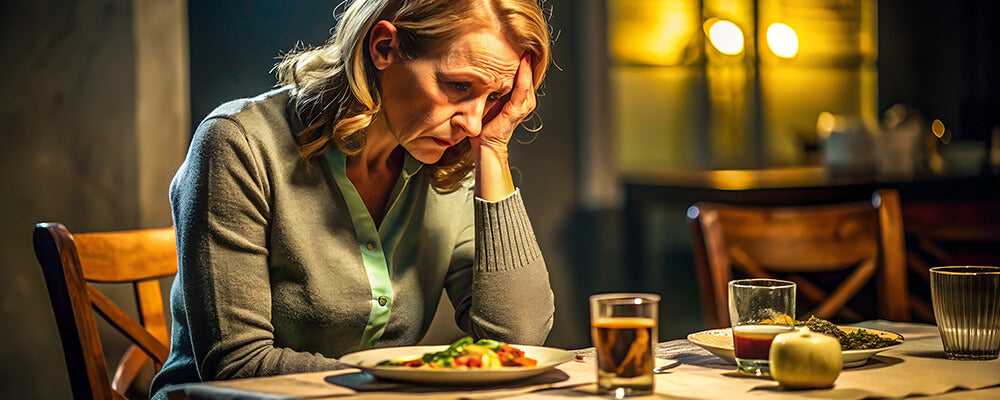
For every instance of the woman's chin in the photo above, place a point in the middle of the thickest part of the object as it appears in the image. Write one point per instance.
(427, 156)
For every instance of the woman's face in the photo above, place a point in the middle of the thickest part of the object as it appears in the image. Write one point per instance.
(433, 102)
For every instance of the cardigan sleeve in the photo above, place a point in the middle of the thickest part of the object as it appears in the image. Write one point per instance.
(505, 294)
(220, 200)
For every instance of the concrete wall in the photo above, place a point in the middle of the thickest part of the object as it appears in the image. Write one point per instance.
(94, 120)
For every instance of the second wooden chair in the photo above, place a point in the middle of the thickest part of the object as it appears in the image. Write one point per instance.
(861, 240)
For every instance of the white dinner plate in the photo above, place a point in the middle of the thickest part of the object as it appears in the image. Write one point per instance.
(548, 358)
(720, 343)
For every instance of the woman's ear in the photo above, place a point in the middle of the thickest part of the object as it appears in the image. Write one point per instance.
(382, 41)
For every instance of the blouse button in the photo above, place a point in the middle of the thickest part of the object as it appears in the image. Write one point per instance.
(382, 300)
(370, 246)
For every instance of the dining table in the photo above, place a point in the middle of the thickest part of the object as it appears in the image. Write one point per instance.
(916, 368)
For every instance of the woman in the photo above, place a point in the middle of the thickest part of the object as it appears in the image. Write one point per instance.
(328, 215)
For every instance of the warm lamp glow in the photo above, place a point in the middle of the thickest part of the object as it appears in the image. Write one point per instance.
(937, 127)
(782, 40)
(726, 37)
(825, 124)
(731, 179)
(653, 32)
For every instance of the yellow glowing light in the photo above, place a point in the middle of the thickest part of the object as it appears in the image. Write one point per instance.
(937, 127)
(731, 179)
(782, 40)
(653, 32)
(825, 123)
(726, 37)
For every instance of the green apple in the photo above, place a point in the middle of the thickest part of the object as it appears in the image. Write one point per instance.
(803, 359)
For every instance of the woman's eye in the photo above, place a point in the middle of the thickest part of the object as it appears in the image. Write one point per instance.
(493, 97)
(462, 86)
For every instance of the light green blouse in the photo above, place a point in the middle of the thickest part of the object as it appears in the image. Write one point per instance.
(374, 242)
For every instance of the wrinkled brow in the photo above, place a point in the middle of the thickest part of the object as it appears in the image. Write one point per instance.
(496, 69)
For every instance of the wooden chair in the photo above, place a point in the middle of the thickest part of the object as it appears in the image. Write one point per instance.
(69, 262)
(947, 232)
(858, 240)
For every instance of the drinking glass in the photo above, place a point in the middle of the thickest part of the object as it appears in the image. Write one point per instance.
(623, 328)
(759, 309)
(967, 309)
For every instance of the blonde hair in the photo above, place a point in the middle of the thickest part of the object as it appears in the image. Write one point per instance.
(336, 93)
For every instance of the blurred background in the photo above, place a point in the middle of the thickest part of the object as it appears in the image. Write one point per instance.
(653, 105)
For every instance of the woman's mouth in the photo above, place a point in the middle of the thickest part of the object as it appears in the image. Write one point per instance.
(442, 142)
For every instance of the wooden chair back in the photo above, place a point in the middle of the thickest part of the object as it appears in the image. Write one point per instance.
(860, 239)
(948, 232)
(69, 262)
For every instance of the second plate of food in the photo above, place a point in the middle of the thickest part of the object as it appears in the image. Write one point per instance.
(720, 343)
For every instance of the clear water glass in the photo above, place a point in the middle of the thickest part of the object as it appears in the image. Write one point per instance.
(967, 309)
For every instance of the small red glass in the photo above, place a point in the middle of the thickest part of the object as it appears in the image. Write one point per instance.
(759, 310)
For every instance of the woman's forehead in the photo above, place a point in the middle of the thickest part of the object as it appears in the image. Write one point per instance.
(483, 50)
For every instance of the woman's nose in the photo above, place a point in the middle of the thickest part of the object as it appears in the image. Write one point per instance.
(469, 117)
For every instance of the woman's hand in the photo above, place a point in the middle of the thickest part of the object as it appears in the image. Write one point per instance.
(489, 148)
(503, 118)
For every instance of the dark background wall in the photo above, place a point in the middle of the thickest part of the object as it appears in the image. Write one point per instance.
(234, 44)
(943, 58)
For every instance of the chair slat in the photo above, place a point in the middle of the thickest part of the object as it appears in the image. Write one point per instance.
(128, 255)
(893, 282)
(813, 238)
(151, 312)
(128, 368)
(126, 325)
(847, 289)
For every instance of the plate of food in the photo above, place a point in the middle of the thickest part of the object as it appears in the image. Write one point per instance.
(464, 362)
(859, 344)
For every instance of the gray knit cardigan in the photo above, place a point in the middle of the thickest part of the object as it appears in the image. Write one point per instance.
(271, 279)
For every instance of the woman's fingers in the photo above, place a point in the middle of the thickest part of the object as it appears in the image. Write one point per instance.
(515, 108)
(522, 97)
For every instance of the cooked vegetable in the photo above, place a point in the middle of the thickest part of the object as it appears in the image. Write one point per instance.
(822, 326)
(782, 319)
(857, 340)
(464, 353)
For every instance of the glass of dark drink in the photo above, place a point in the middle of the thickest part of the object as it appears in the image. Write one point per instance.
(759, 309)
(623, 328)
